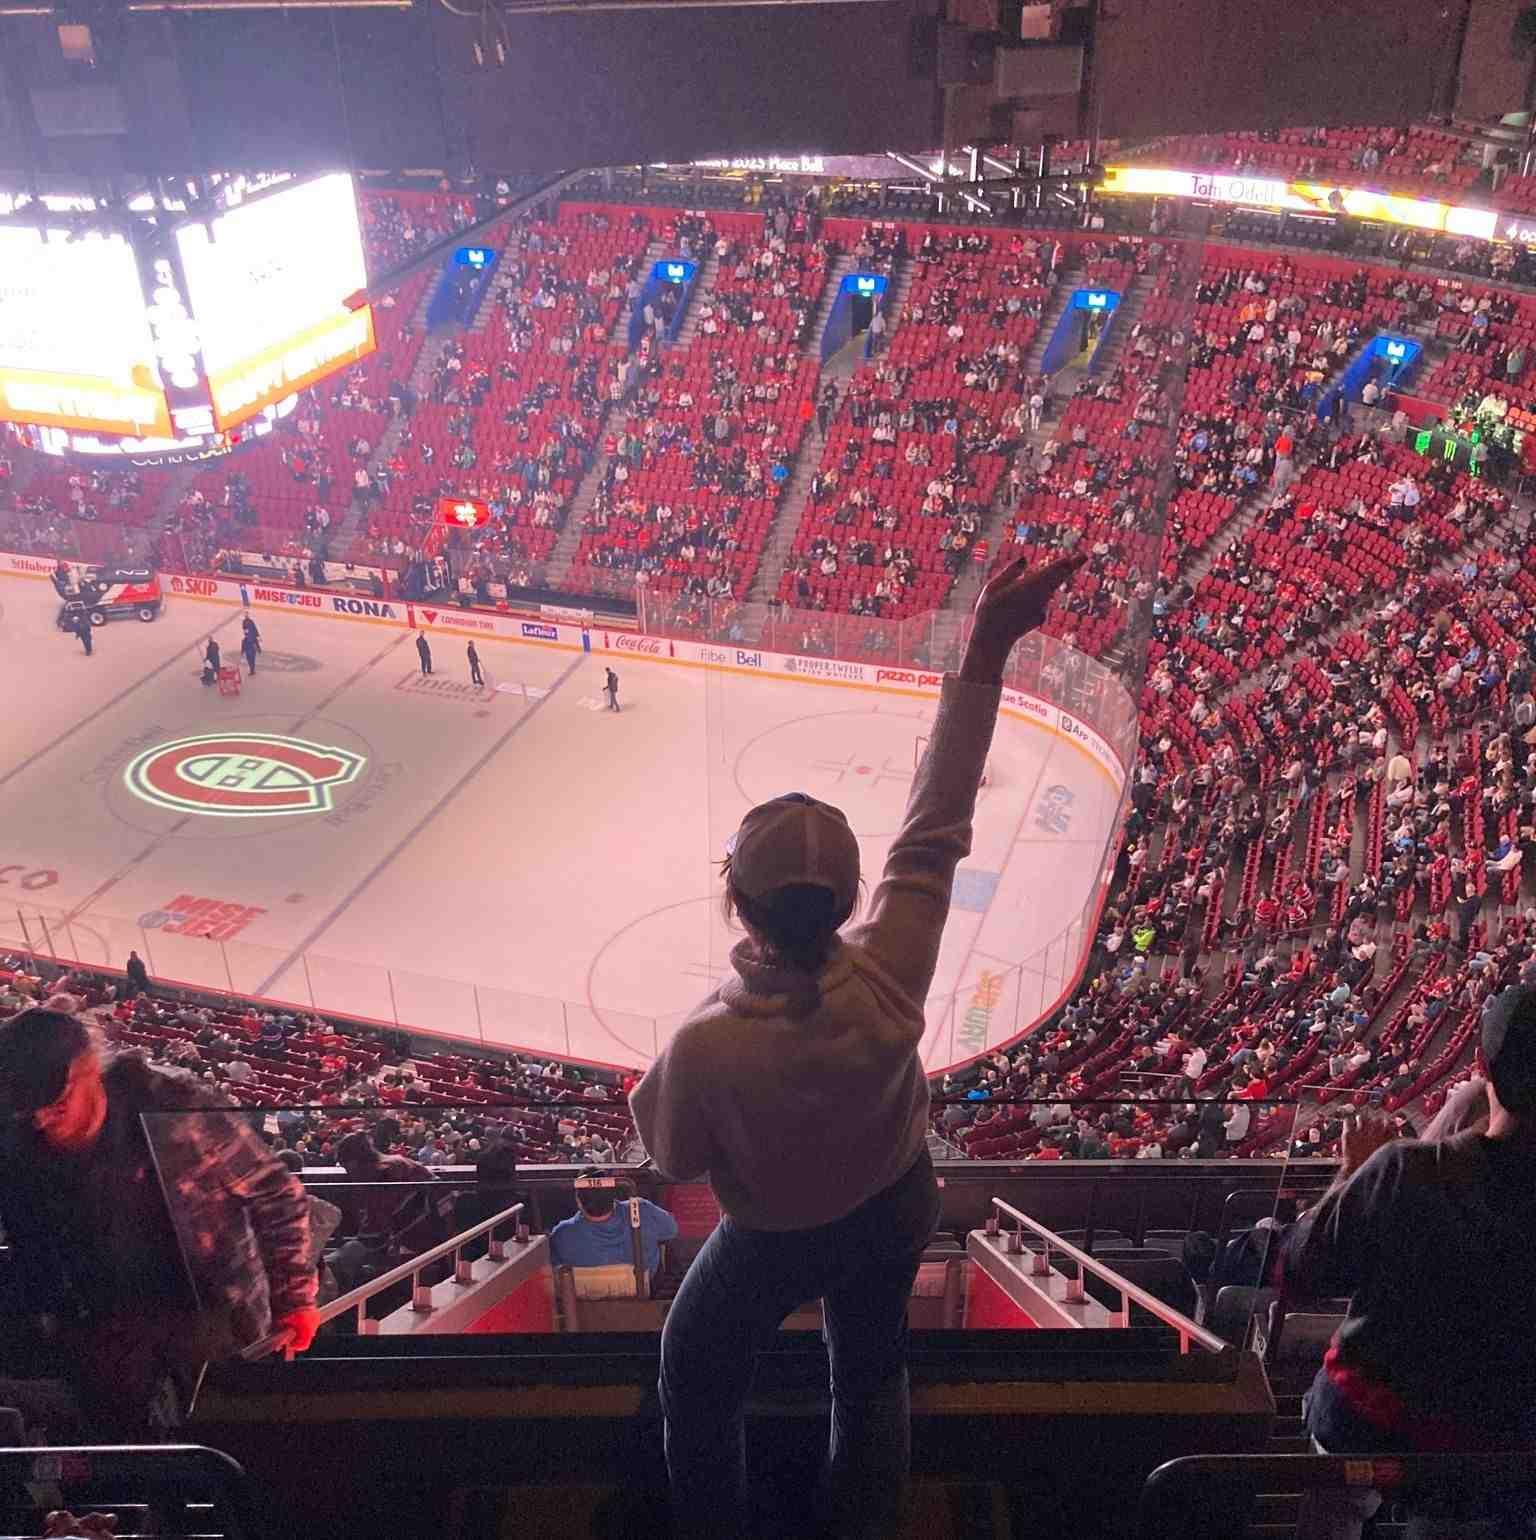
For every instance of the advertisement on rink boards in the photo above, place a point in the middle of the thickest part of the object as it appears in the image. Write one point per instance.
(593, 637)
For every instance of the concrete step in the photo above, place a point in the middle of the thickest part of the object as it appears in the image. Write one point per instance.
(1289, 1444)
(1069, 278)
(654, 252)
(563, 552)
(709, 270)
(839, 270)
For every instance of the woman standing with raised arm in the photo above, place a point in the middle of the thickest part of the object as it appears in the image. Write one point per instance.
(796, 1087)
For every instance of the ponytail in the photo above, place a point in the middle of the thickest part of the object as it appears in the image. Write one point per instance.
(798, 923)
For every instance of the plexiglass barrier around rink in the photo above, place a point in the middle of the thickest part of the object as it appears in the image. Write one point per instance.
(993, 991)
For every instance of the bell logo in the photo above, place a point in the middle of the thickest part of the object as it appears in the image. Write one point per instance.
(241, 775)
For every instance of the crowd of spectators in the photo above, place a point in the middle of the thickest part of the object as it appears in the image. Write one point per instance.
(317, 1079)
(695, 470)
(917, 444)
(512, 413)
(1333, 792)
(1321, 876)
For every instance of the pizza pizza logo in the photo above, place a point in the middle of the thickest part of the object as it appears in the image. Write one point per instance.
(242, 775)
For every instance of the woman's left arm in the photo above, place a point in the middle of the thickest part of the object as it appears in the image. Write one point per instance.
(670, 1114)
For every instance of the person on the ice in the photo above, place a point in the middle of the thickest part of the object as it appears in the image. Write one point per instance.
(250, 645)
(249, 633)
(80, 624)
(611, 689)
(475, 676)
(424, 652)
(211, 655)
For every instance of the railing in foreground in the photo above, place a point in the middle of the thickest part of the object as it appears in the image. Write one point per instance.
(1211, 1497)
(357, 1299)
(1129, 1293)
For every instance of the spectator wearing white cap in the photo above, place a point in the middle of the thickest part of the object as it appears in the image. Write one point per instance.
(796, 1087)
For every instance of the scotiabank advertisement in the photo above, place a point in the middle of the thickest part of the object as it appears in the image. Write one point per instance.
(268, 281)
(75, 344)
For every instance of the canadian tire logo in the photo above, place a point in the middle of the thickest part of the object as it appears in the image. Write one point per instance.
(242, 775)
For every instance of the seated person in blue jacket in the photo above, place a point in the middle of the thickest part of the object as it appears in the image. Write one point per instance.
(598, 1234)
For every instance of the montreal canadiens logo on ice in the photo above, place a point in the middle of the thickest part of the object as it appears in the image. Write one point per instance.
(242, 775)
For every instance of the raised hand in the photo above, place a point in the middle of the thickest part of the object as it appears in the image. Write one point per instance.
(1013, 603)
(1362, 1137)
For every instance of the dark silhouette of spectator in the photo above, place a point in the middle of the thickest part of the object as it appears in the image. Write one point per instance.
(154, 1228)
(1432, 1242)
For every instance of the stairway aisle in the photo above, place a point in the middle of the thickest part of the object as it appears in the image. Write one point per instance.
(994, 526)
(703, 284)
(170, 499)
(1132, 303)
(354, 522)
(841, 267)
(619, 334)
(781, 537)
(902, 275)
(557, 569)
(841, 367)
(1070, 279)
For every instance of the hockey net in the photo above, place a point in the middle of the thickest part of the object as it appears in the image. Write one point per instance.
(920, 747)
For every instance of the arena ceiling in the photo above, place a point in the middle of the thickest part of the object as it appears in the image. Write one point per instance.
(103, 87)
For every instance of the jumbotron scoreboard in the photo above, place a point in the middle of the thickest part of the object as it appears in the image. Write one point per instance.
(164, 331)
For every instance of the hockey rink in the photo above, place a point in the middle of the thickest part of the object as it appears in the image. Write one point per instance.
(512, 863)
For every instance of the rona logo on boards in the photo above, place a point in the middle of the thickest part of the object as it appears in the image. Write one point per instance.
(286, 596)
(376, 608)
(241, 775)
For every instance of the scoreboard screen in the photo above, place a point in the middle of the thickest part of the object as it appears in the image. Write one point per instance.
(269, 281)
(165, 336)
(75, 344)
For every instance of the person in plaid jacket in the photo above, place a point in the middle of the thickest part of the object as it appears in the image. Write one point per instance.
(151, 1227)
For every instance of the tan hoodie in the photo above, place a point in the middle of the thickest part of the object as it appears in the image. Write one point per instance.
(800, 1103)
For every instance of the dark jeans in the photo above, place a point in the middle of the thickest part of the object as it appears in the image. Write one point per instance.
(738, 1291)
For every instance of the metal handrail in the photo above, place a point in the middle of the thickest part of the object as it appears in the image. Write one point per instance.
(1188, 1331)
(357, 1299)
(1193, 1497)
